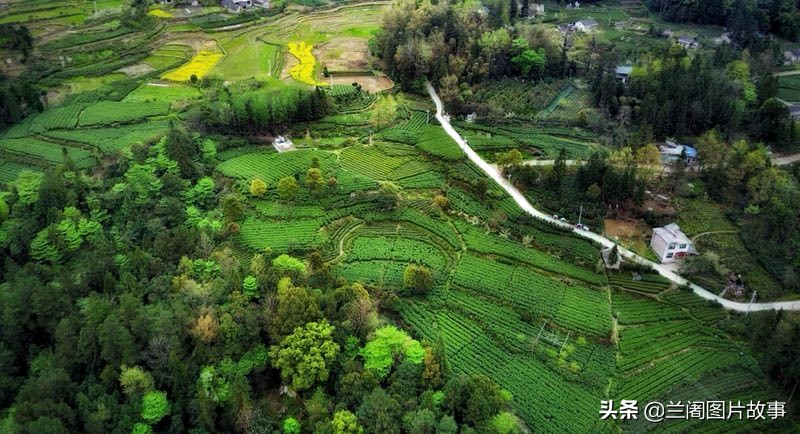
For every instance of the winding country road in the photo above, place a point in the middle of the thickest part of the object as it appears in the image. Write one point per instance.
(786, 159)
(526, 206)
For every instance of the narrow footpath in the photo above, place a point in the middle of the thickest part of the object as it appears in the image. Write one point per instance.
(526, 206)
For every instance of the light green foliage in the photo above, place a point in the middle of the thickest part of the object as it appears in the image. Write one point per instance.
(3, 209)
(250, 286)
(505, 423)
(141, 428)
(66, 236)
(209, 221)
(28, 186)
(288, 188)
(205, 269)
(43, 249)
(384, 112)
(213, 385)
(418, 279)
(202, 193)
(526, 59)
(295, 307)
(135, 380)
(208, 148)
(511, 158)
(387, 343)
(287, 265)
(345, 422)
(305, 356)
(258, 187)
(142, 183)
(155, 406)
(291, 426)
(215, 380)
(314, 179)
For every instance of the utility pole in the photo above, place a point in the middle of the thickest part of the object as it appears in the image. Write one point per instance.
(427, 117)
(565, 342)
(752, 299)
(580, 214)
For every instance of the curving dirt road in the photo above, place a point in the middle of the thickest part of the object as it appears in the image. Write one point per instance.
(526, 206)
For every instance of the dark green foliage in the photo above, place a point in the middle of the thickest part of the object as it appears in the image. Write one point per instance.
(262, 110)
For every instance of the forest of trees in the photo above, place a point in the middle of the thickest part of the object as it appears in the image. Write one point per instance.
(456, 44)
(747, 20)
(678, 95)
(122, 304)
(250, 108)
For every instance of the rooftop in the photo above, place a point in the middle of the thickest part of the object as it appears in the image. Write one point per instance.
(623, 70)
(588, 22)
(671, 233)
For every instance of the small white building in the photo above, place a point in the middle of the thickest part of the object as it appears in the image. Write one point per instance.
(586, 25)
(670, 244)
(623, 72)
(724, 38)
(688, 42)
(282, 144)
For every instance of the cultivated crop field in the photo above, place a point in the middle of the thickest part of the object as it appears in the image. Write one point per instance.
(202, 62)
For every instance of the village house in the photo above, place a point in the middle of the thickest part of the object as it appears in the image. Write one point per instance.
(688, 42)
(724, 38)
(670, 244)
(586, 25)
(671, 152)
(791, 56)
(236, 6)
(623, 72)
(535, 9)
(794, 112)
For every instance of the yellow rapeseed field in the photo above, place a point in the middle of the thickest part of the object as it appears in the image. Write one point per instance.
(304, 72)
(158, 13)
(200, 64)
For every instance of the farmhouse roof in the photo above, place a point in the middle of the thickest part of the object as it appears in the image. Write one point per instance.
(671, 233)
(623, 70)
(588, 23)
(794, 110)
(686, 39)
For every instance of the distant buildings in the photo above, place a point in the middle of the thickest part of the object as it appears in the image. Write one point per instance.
(688, 42)
(535, 9)
(585, 25)
(236, 6)
(669, 243)
(791, 56)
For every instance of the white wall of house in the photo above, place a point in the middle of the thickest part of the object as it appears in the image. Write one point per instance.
(667, 251)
